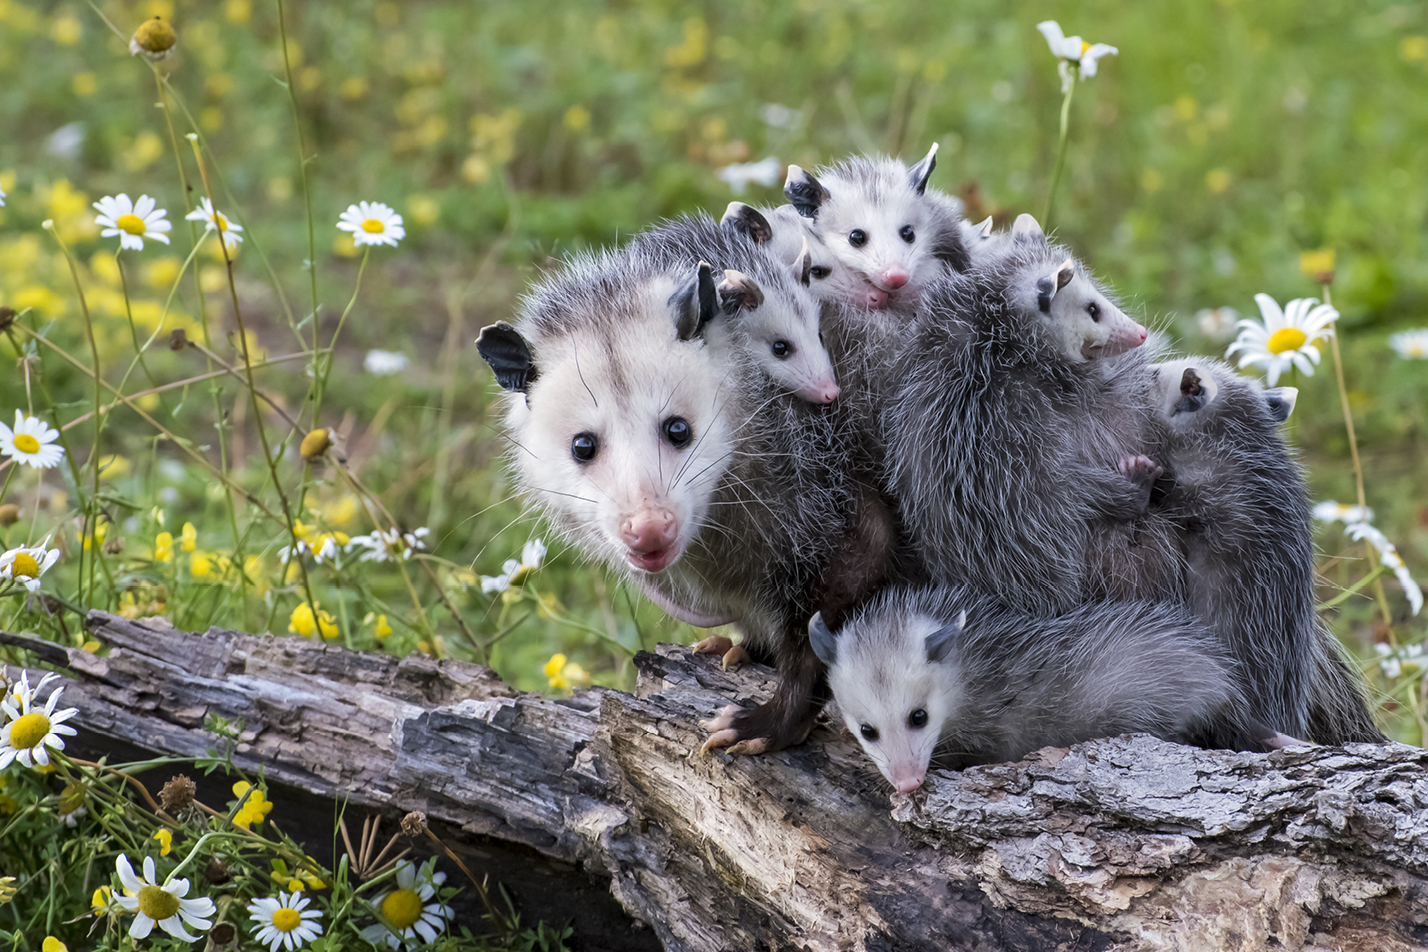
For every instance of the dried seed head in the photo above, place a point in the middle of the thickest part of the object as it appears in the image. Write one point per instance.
(177, 793)
(7, 317)
(154, 38)
(216, 872)
(315, 444)
(114, 546)
(178, 340)
(414, 824)
(9, 515)
(223, 934)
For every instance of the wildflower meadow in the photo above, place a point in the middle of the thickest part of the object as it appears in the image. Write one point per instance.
(246, 247)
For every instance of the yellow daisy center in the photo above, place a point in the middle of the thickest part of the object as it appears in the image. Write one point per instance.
(28, 730)
(133, 224)
(402, 908)
(158, 904)
(26, 443)
(286, 920)
(1084, 47)
(220, 221)
(25, 566)
(375, 225)
(1286, 338)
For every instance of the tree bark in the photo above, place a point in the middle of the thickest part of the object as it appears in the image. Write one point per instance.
(1128, 843)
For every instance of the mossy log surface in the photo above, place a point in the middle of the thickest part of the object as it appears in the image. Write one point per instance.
(1128, 843)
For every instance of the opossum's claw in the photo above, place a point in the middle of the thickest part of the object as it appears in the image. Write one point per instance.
(1141, 468)
(750, 747)
(736, 657)
(714, 644)
(1278, 741)
(721, 721)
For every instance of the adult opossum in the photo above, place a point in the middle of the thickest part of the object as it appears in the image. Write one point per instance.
(951, 672)
(1240, 502)
(688, 470)
(1017, 435)
(890, 234)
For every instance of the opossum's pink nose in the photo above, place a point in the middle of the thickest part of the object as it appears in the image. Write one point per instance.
(649, 536)
(877, 298)
(893, 277)
(907, 784)
(822, 391)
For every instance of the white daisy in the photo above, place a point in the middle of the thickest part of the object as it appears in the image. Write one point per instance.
(1411, 345)
(411, 910)
(372, 223)
(384, 363)
(163, 905)
(27, 564)
(768, 171)
(1073, 50)
(1388, 555)
(2, 198)
(1332, 511)
(132, 221)
(286, 921)
(382, 545)
(1393, 663)
(1285, 337)
(29, 732)
(31, 442)
(1217, 323)
(513, 572)
(228, 233)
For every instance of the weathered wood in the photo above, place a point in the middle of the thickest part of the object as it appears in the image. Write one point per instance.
(1126, 844)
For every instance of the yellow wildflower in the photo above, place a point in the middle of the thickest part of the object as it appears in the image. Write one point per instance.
(189, 537)
(380, 628)
(255, 808)
(101, 901)
(51, 944)
(166, 841)
(164, 547)
(200, 565)
(1318, 265)
(553, 671)
(303, 622)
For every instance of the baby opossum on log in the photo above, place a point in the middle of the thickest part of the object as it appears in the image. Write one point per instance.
(1243, 511)
(951, 672)
(688, 470)
(890, 234)
(1017, 435)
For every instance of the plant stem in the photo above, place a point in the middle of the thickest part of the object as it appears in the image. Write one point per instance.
(1061, 147)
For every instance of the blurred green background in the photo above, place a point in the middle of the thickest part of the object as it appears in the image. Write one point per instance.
(1225, 139)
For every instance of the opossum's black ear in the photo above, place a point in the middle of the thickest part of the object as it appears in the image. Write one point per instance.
(825, 643)
(804, 192)
(695, 303)
(984, 227)
(508, 354)
(1026, 226)
(738, 292)
(1047, 287)
(918, 174)
(747, 220)
(802, 266)
(939, 643)
(1281, 402)
(1193, 393)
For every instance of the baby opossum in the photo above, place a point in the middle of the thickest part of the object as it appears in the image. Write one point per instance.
(1016, 435)
(782, 331)
(688, 470)
(1242, 508)
(950, 671)
(889, 233)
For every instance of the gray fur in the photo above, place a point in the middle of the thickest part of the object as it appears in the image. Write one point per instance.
(1001, 684)
(1238, 497)
(1007, 451)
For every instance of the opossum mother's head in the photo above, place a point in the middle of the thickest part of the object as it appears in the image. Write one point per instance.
(620, 421)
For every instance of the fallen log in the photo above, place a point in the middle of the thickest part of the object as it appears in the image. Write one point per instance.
(1128, 843)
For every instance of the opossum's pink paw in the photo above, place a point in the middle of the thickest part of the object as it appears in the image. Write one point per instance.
(722, 720)
(1278, 741)
(736, 657)
(714, 644)
(1141, 469)
(750, 747)
(720, 739)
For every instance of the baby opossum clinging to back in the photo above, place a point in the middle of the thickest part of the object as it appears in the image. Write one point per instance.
(688, 470)
(1240, 503)
(1017, 430)
(952, 672)
(890, 235)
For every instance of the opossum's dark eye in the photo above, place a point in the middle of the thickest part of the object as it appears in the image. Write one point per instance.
(820, 272)
(677, 430)
(917, 718)
(870, 732)
(907, 234)
(782, 349)
(1094, 310)
(857, 237)
(584, 447)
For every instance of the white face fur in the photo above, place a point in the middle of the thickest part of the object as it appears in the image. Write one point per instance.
(1079, 318)
(625, 434)
(782, 333)
(893, 698)
(883, 250)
